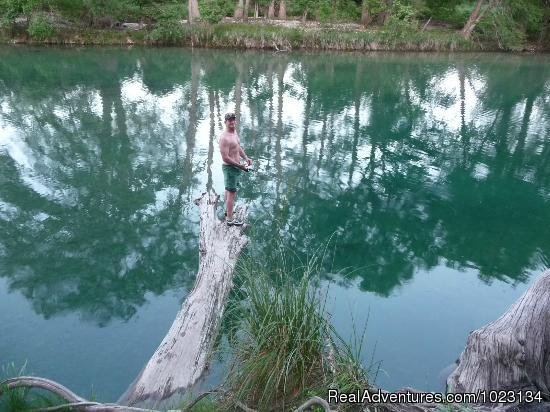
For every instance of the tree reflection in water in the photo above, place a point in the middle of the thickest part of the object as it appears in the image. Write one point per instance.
(413, 161)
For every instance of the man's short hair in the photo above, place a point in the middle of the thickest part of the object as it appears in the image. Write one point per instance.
(230, 116)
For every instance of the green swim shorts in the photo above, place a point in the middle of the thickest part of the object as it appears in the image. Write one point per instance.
(231, 177)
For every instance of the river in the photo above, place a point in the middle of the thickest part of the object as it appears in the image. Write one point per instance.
(425, 176)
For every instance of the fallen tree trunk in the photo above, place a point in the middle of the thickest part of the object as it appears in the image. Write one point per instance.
(182, 356)
(513, 352)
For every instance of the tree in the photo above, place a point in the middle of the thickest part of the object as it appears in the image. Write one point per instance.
(477, 13)
(246, 6)
(193, 10)
(239, 10)
(282, 10)
(306, 6)
(271, 10)
(366, 17)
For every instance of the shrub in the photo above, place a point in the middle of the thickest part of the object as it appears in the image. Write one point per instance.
(338, 10)
(212, 11)
(528, 16)
(403, 12)
(168, 31)
(40, 27)
(323, 12)
(172, 11)
(499, 26)
(460, 15)
(454, 13)
(401, 21)
(9, 9)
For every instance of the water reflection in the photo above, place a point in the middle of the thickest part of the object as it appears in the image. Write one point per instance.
(413, 161)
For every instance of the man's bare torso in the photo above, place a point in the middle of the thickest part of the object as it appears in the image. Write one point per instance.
(232, 142)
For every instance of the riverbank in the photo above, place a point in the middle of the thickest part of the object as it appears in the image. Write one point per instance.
(255, 35)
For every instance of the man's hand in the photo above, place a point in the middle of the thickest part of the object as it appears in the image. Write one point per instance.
(246, 167)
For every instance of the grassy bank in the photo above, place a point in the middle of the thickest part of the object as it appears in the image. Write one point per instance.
(251, 36)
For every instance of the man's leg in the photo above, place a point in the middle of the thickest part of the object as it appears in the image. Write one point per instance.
(229, 202)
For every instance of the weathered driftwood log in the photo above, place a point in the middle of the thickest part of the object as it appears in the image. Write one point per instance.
(42, 383)
(74, 402)
(513, 352)
(78, 403)
(182, 356)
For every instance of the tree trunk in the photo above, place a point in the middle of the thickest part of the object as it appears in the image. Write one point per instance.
(366, 18)
(512, 352)
(211, 106)
(383, 17)
(519, 151)
(181, 358)
(238, 93)
(358, 76)
(544, 28)
(193, 10)
(282, 10)
(271, 10)
(280, 129)
(476, 15)
(191, 132)
(304, 17)
(470, 24)
(256, 10)
(465, 137)
(239, 10)
(246, 7)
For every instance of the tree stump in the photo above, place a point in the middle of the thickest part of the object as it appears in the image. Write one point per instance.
(182, 356)
(513, 352)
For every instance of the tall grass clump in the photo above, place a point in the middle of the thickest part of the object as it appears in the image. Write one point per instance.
(23, 399)
(285, 349)
(40, 27)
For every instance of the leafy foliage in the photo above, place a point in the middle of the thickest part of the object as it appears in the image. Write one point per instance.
(40, 27)
(213, 11)
(451, 12)
(402, 18)
(508, 25)
(169, 32)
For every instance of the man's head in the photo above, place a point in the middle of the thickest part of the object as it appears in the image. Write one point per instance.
(230, 121)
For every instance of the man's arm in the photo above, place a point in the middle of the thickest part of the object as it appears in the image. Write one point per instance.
(243, 154)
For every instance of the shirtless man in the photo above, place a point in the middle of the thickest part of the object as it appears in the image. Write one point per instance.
(232, 153)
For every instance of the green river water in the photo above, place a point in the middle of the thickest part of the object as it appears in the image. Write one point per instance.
(430, 175)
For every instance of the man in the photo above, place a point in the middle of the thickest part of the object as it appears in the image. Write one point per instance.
(232, 153)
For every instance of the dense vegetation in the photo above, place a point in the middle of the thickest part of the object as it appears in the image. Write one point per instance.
(507, 24)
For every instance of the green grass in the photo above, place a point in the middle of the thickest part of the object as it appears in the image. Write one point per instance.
(23, 399)
(204, 404)
(284, 342)
(272, 37)
(248, 36)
